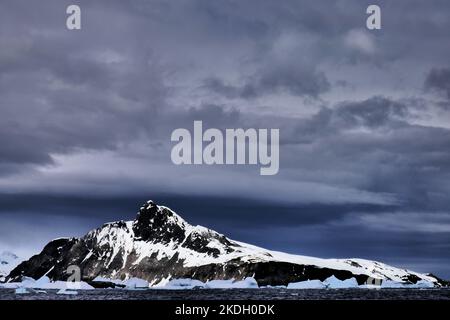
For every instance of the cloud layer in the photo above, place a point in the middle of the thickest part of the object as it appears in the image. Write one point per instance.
(86, 118)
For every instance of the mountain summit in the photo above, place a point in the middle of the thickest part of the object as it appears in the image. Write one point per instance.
(160, 246)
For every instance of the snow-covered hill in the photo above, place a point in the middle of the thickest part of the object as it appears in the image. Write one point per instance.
(160, 246)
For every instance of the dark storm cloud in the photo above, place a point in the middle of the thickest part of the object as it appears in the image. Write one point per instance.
(371, 144)
(374, 113)
(295, 81)
(101, 87)
(86, 118)
(62, 91)
(240, 212)
(439, 80)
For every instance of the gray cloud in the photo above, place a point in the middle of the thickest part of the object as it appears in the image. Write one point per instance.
(89, 114)
(277, 79)
(64, 92)
(439, 80)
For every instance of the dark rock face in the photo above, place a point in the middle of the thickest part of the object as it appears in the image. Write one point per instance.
(198, 242)
(441, 281)
(157, 225)
(105, 285)
(49, 258)
(160, 245)
(269, 273)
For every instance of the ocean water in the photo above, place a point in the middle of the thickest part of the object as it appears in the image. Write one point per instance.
(237, 294)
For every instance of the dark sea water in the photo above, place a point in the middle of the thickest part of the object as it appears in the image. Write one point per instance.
(237, 294)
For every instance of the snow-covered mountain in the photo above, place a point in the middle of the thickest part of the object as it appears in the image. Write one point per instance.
(8, 261)
(160, 246)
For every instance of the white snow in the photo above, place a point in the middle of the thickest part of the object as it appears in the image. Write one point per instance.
(308, 284)
(122, 241)
(120, 238)
(22, 290)
(334, 283)
(422, 284)
(182, 284)
(45, 284)
(186, 283)
(8, 261)
(67, 292)
(247, 283)
(29, 285)
(136, 283)
(394, 284)
(132, 283)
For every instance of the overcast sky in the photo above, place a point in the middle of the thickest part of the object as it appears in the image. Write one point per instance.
(364, 119)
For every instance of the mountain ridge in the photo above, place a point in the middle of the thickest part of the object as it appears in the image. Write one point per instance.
(159, 246)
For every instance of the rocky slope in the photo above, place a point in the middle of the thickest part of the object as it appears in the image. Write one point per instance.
(159, 246)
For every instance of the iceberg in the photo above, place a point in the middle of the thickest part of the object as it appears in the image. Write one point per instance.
(183, 284)
(22, 290)
(308, 284)
(46, 284)
(136, 283)
(67, 292)
(334, 283)
(247, 283)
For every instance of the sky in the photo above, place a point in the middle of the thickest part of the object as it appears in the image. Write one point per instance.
(364, 116)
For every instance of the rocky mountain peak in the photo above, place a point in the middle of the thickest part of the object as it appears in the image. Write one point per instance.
(158, 224)
(159, 245)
